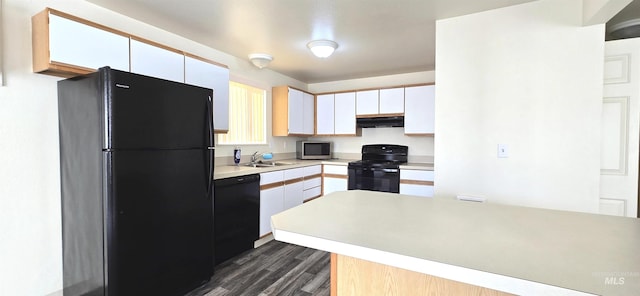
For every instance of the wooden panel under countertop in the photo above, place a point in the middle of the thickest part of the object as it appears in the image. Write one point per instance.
(352, 276)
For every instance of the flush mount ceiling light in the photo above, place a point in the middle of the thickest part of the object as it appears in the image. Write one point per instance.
(322, 48)
(260, 60)
(626, 29)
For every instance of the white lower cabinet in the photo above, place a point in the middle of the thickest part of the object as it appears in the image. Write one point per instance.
(334, 178)
(293, 194)
(312, 184)
(271, 203)
(285, 189)
(293, 187)
(271, 198)
(416, 182)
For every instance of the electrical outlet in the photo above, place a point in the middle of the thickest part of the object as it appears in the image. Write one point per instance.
(503, 150)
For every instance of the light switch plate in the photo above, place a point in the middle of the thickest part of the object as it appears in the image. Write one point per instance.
(503, 150)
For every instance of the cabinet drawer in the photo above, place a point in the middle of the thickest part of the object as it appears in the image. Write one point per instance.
(416, 175)
(311, 193)
(315, 182)
(293, 173)
(335, 169)
(271, 177)
(312, 170)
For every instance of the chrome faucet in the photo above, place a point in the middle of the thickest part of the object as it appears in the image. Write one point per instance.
(254, 157)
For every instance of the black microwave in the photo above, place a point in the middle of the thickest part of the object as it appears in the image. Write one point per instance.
(313, 150)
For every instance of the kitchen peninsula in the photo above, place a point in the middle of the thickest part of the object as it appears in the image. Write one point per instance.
(390, 243)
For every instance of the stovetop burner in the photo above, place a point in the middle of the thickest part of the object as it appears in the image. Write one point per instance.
(375, 164)
(382, 155)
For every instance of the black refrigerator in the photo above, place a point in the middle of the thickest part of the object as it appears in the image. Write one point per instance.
(136, 162)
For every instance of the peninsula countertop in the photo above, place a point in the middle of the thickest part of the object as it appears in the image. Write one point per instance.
(520, 250)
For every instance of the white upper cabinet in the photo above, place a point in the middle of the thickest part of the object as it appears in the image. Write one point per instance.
(345, 113)
(391, 101)
(292, 112)
(419, 115)
(151, 60)
(296, 105)
(308, 107)
(78, 44)
(325, 115)
(367, 102)
(216, 77)
(67, 47)
(336, 114)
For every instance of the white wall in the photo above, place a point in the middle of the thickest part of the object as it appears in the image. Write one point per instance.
(420, 147)
(529, 76)
(30, 226)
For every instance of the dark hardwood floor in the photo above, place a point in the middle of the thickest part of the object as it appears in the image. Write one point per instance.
(275, 268)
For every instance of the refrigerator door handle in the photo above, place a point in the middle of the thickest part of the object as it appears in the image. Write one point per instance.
(210, 120)
(210, 181)
(211, 146)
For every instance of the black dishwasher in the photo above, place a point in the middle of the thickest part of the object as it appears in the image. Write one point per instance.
(236, 215)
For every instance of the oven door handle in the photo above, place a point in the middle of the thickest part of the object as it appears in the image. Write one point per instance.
(390, 170)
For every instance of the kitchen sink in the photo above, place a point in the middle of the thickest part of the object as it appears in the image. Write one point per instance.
(264, 164)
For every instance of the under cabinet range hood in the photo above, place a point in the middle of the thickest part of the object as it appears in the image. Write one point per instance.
(393, 121)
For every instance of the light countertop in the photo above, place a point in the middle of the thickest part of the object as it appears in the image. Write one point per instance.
(221, 172)
(520, 250)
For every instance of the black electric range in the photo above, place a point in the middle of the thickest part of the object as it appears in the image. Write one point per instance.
(379, 169)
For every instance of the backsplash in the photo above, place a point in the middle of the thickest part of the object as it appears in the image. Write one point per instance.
(420, 147)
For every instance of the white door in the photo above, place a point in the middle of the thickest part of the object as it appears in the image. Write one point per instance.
(345, 115)
(308, 108)
(391, 100)
(419, 114)
(201, 73)
(145, 57)
(271, 203)
(82, 45)
(296, 124)
(367, 102)
(325, 115)
(620, 129)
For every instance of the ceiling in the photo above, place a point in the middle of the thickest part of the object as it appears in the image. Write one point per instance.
(375, 37)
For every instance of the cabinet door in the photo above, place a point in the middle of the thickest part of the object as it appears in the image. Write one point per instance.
(417, 190)
(296, 125)
(367, 102)
(325, 112)
(308, 114)
(414, 188)
(150, 60)
(293, 194)
(77, 44)
(201, 73)
(345, 114)
(392, 100)
(271, 203)
(334, 184)
(419, 115)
